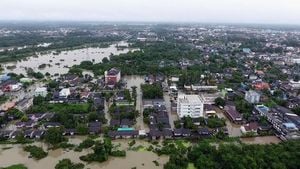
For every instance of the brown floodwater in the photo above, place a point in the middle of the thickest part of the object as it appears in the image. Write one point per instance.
(261, 140)
(60, 63)
(140, 159)
(233, 129)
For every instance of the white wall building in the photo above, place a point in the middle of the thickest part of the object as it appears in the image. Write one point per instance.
(252, 96)
(64, 93)
(190, 105)
(41, 91)
(294, 84)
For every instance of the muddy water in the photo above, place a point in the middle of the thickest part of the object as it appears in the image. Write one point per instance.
(60, 63)
(233, 129)
(139, 159)
(261, 140)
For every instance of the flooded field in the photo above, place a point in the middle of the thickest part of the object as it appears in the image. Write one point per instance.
(261, 140)
(60, 63)
(139, 159)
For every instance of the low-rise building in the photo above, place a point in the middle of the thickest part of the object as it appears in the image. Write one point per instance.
(233, 114)
(249, 128)
(64, 93)
(252, 96)
(112, 76)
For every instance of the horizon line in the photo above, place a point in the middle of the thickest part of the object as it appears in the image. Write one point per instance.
(150, 22)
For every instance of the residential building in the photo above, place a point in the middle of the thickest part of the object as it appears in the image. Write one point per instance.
(24, 104)
(252, 96)
(250, 128)
(64, 93)
(112, 76)
(294, 84)
(41, 91)
(233, 114)
(190, 105)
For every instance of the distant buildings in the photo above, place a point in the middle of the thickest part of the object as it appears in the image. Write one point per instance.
(261, 86)
(252, 96)
(190, 106)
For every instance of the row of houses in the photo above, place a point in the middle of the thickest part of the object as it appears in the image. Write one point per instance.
(30, 133)
(284, 121)
(161, 134)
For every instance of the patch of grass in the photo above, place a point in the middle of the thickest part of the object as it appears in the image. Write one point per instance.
(182, 143)
(191, 166)
(16, 166)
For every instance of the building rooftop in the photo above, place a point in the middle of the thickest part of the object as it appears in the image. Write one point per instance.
(189, 99)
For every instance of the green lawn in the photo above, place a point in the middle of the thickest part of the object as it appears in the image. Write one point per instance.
(16, 166)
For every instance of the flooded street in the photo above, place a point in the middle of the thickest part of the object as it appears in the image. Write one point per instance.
(137, 81)
(140, 159)
(60, 63)
(233, 129)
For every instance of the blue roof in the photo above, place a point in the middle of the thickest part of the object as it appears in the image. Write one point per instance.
(125, 129)
(263, 108)
(289, 125)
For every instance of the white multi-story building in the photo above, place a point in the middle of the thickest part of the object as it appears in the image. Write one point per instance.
(190, 105)
(41, 91)
(252, 96)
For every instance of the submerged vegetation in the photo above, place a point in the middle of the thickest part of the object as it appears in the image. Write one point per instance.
(36, 152)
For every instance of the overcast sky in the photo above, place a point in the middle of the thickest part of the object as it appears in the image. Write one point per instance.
(224, 11)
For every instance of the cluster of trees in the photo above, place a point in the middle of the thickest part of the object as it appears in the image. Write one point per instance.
(36, 152)
(215, 122)
(205, 155)
(54, 136)
(68, 164)
(231, 156)
(220, 102)
(102, 150)
(41, 105)
(37, 75)
(123, 112)
(152, 91)
(243, 107)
